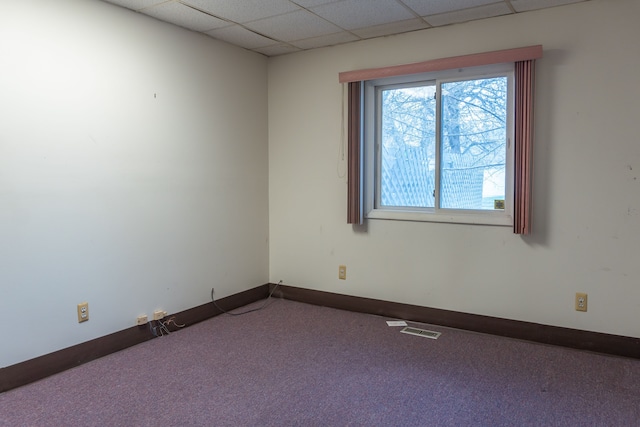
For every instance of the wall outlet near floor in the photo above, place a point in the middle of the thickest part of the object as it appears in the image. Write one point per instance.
(342, 272)
(83, 312)
(141, 320)
(581, 301)
(159, 314)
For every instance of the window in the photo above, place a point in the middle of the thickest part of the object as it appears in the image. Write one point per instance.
(447, 139)
(437, 146)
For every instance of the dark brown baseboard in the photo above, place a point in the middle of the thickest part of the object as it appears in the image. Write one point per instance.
(53, 363)
(574, 338)
(35, 369)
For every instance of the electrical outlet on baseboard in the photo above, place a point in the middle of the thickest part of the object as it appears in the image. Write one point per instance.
(159, 314)
(141, 320)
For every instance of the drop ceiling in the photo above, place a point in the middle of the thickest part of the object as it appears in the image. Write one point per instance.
(277, 27)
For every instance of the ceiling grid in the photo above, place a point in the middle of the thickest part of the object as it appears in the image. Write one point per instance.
(277, 27)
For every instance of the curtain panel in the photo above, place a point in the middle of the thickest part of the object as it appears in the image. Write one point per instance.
(524, 60)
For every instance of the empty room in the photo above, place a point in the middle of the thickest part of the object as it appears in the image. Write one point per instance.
(319, 212)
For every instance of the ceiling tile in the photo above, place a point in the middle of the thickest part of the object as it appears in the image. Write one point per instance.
(293, 26)
(242, 11)
(136, 4)
(392, 28)
(311, 3)
(275, 50)
(352, 14)
(525, 5)
(328, 40)
(276, 27)
(241, 37)
(184, 16)
(469, 14)
(434, 7)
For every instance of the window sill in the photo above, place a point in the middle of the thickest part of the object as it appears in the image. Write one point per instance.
(488, 218)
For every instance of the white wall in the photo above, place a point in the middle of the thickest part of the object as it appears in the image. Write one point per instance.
(587, 179)
(133, 171)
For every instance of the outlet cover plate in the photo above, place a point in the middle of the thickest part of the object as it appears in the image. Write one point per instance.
(83, 312)
(581, 301)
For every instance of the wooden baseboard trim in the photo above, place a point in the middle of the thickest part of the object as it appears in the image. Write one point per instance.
(35, 369)
(573, 338)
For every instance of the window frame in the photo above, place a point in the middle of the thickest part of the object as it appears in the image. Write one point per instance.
(524, 59)
(371, 146)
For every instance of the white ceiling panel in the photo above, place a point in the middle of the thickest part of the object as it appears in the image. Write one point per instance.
(136, 4)
(353, 14)
(397, 27)
(311, 3)
(276, 50)
(526, 5)
(434, 7)
(278, 27)
(242, 11)
(293, 26)
(185, 16)
(241, 36)
(328, 40)
(465, 15)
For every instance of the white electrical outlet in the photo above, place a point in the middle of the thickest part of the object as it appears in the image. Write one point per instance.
(141, 320)
(159, 314)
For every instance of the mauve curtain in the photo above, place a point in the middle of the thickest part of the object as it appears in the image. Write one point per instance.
(354, 152)
(525, 79)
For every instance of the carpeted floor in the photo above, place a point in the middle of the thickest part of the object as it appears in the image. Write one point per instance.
(293, 364)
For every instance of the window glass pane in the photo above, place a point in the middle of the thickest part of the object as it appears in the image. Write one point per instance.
(473, 150)
(407, 153)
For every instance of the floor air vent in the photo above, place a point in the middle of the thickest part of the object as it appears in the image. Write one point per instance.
(421, 332)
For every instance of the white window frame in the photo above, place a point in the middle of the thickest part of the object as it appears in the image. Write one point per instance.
(371, 146)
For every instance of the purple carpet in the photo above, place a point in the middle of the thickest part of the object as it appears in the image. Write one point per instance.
(293, 364)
